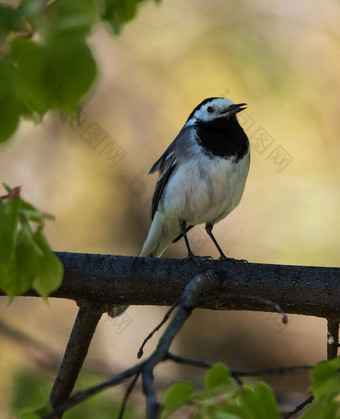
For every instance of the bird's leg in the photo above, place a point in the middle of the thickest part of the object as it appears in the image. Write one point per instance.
(182, 226)
(208, 228)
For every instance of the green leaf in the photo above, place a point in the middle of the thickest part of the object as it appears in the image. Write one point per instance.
(326, 391)
(322, 372)
(24, 266)
(29, 392)
(72, 17)
(326, 379)
(31, 213)
(9, 104)
(9, 219)
(317, 410)
(26, 259)
(43, 75)
(248, 401)
(10, 19)
(267, 401)
(29, 415)
(177, 396)
(69, 86)
(50, 273)
(35, 85)
(7, 188)
(10, 115)
(217, 376)
(119, 12)
(231, 411)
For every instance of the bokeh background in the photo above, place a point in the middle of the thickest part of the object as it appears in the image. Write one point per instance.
(283, 59)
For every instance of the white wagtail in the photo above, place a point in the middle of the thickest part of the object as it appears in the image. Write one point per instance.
(202, 176)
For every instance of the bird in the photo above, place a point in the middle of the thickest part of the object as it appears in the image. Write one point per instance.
(202, 176)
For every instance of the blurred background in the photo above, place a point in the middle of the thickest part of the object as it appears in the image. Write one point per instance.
(283, 60)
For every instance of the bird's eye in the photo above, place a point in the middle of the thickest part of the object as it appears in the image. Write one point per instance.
(210, 109)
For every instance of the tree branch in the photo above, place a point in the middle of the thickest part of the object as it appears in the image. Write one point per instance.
(75, 354)
(207, 282)
(118, 280)
(127, 395)
(83, 395)
(299, 407)
(150, 281)
(254, 373)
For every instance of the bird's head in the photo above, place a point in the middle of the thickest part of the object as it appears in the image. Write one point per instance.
(213, 110)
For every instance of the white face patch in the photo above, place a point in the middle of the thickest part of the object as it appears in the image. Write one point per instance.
(209, 111)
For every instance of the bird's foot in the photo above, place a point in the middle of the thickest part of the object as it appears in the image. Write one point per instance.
(196, 259)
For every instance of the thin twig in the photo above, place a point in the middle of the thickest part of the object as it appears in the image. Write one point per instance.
(299, 407)
(84, 395)
(165, 319)
(276, 370)
(189, 361)
(127, 395)
(247, 297)
(265, 371)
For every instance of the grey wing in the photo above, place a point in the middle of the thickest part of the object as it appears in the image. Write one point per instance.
(177, 150)
(166, 167)
(167, 163)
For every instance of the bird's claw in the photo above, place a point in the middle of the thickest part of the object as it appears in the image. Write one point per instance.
(197, 259)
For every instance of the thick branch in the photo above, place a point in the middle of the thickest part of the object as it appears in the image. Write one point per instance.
(123, 280)
(75, 354)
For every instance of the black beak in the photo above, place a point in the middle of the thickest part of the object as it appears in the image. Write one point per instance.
(234, 109)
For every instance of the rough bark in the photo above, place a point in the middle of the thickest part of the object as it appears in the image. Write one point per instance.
(121, 280)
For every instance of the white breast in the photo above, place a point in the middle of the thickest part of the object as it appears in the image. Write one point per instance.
(204, 190)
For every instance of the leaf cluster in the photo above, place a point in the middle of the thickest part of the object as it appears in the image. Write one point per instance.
(326, 391)
(26, 260)
(222, 398)
(45, 61)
